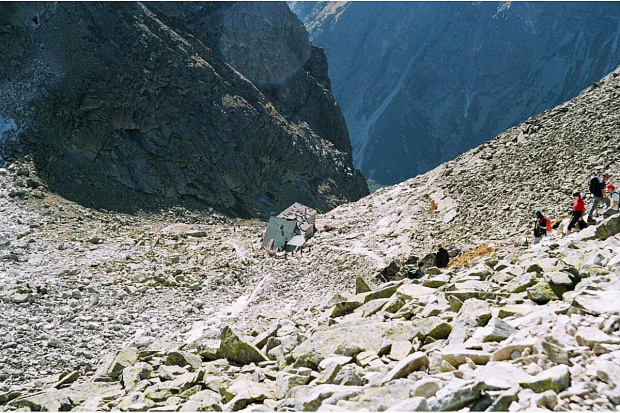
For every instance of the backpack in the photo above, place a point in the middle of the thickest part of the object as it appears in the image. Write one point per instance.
(414, 273)
(594, 184)
(541, 230)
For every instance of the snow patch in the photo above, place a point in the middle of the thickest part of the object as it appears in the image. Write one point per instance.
(195, 332)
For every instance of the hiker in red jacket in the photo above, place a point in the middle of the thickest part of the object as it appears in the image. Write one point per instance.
(578, 209)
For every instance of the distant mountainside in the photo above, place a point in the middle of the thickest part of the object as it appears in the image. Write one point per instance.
(422, 82)
(129, 105)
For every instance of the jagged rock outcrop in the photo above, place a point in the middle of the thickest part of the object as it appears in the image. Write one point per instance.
(138, 104)
(421, 83)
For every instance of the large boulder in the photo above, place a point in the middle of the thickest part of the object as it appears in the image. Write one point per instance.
(598, 302)
(362, 285)
(414, 404)
(49, 401)
(477, 310)
(607, 371)
(400, 349)
(286, 381)
(243, 392)
(591, 336)
(88, 392)
(521, 282)
(608, 228)
(434, 327)
(409, 364)
(308, 398)
(132, 375)
(237, 350)
(411, 291)
(458, 354)
(208, 349)
(560, 278)
(496, 330)
(507, 351)
(124, 358)
(392, 269)
(544, 292)
(499, 376)
(556, 378)
(456, 395)
(354, 302)
(369, 336)
(184, 358)
(204, 400)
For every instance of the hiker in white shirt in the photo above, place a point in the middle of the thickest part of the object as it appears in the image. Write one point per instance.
(614, 198)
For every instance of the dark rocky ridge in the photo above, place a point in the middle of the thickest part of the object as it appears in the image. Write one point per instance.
(421, 83)
(131, 105)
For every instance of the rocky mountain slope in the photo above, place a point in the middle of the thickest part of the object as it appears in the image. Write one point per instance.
(421, 83)
(518, 331)
(507, 327)
(143, 104)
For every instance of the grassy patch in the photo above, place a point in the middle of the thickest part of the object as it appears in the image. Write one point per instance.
(466, 259)
(433, 205)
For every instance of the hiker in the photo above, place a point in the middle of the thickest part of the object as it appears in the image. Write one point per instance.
(442, 257)
(614, 196)
(419, 273)
(577, 212)
(541, 226)
(597, 189)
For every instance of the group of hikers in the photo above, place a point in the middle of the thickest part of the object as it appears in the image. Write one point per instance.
(442, 258)
(603, 192)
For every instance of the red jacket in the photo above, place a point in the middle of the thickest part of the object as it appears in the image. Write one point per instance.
(578, 205)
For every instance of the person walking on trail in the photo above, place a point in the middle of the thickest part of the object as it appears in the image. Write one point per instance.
(597, 189)
(442, 258)
(541, 226)
(419, 273)
(577, 212)
(614, 197)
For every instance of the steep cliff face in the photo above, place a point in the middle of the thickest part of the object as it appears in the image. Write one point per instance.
(132, 105)
(420, 83)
